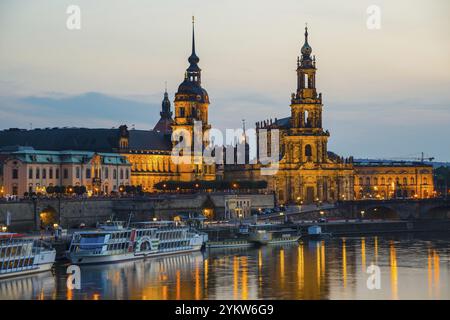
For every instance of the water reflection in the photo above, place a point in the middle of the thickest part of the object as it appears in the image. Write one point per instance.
(411, 268)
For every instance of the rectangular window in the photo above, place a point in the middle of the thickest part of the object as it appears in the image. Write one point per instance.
(88, 173)
(127, 175)
(66, 174)
(78, 172)
(114, 174)
(106, 173)
(30, 173)
(57, 173)
(44, 174)
(38, 173)
(15, 174)
(50, 173)
(121, 173)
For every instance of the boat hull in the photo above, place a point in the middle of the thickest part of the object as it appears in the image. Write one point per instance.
(44, 262)
(224, 244)
(100, 259)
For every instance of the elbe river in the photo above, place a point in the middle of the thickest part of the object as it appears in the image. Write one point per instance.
(411, 266)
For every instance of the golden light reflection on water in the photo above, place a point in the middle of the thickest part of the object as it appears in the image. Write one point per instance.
(433, 271)
(235, 277)
(244, 284)
(309, 270)
(394, 271)
(300, 268)
(363, 253)
(344, 264)
(282, 268)
(375, 249)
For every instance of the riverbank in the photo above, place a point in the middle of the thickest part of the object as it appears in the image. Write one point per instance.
(344, 227)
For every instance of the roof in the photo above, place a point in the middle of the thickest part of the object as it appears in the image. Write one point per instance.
(82, 139)
(389, 163)
(284, 122)
(99, 140)
(69, 156)
(149, 140)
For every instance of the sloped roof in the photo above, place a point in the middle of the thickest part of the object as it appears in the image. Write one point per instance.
(99, 140)
(149, 140)
(82, 139)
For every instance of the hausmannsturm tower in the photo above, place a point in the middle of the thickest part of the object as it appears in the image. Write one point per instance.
(191, 105)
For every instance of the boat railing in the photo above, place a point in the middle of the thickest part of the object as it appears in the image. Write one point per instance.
(17, 255)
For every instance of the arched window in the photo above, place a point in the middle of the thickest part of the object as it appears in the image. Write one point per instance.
(360, 181)
(368, 181)
(425, 181)
(412, 180)
(405, 181)
(308, 150)
(375, 181)
(383, 181)
(121, 173)
(397, 181)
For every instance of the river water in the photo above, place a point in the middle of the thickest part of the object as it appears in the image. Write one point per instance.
(411, 266)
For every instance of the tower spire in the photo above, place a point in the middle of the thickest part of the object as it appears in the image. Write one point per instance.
(193, 59)
(193, 35)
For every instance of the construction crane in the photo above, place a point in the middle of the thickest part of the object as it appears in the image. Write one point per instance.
(421, 158)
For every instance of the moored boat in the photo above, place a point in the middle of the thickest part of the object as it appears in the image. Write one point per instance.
(229, 243)
(264, 237)
(20, 256)
(315, 232)
(141, 240)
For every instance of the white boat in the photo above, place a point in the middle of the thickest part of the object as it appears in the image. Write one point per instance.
(141, 240)
(264, 237)
(20, 256)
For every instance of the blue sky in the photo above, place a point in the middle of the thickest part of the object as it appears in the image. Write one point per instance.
(386, 92)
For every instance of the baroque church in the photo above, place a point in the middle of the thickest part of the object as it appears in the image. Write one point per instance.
(307, 171)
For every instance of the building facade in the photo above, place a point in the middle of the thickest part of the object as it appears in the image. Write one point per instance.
(26, 170)
(389, 180)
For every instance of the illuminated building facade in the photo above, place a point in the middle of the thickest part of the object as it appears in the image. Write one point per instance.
(28, 170)
(388, 180)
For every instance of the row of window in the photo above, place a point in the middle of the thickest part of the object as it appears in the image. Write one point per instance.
(38, 173)
(368, 181)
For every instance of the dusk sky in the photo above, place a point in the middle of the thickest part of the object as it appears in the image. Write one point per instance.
(386, 92)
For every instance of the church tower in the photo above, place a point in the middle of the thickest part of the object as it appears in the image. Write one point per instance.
(191, 105)
(164, 124)
(306, 111)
